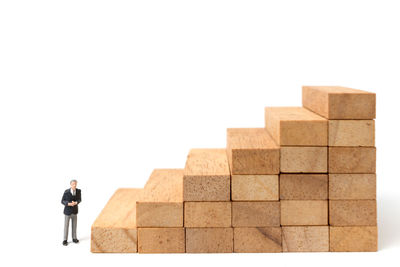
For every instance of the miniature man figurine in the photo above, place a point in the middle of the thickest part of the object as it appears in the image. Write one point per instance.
(71, 199)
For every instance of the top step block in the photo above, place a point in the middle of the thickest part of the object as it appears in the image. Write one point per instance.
(252, 151)
(296, 126)
(340, 103)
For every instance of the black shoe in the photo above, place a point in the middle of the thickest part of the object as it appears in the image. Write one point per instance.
(65, 243)
(75, 240)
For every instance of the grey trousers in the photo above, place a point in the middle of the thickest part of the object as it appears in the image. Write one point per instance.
(74, 218)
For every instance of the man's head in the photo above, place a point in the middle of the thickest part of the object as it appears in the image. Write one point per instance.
(73, 184)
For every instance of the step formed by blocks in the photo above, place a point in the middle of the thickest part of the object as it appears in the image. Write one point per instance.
(352, 133)
(304, 159)
(305, 238)
(257, 239)
(296, 126)
(115, 230)
(352, 186)
(208, 214)
(161, 240)
(352, 159)
(304, 212)
(206, 176)
(252, 151)
(255, 187)
(303, 186)
(209, 240)
(162, 201)
(353, 238)
(256, 214)
(339, 103)
(352, 213)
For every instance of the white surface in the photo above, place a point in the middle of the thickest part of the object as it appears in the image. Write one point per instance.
(105, 91)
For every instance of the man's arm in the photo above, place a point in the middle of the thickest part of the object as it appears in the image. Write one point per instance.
(63, 200)
(78, 197)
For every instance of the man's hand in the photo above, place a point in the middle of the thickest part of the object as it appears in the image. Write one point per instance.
(73, 203)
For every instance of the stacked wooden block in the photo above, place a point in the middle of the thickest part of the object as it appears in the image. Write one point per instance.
(305, 182)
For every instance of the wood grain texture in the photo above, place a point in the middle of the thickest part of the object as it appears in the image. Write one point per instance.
(335, 102)
(208, 214)
(352, 186)
(303, 186)
(162, 201)
(256, 214)
(304, 159)
(352, 159)
(257, 239)
(114, 230)
(354, 239)
(255, 187)
(352, 213)
(252, 151)
(296, 126)
(352, 133)
(305, 239)
(206, 176)
(209, 240)
(304, 212)
(161, 240)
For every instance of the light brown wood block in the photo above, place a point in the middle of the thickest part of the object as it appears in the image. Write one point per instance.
(352, 213)
(161, 240)
(256, 214)
(255, 187)
(352, 159)
(305, 238)
(208, 214)
(304, 159)
(354, 239)
(303, 186)
(304, 212)
(352, 133)
(206, 176)
(162, 201)
(352, 186)
(257, 239)
(336, 102)
(209, 240)
(115, 230)
(252, 151)
(296, 126)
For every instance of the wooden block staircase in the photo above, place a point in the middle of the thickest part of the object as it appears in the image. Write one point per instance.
(305, 182)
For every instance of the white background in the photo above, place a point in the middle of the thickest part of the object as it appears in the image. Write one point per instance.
(105, 91)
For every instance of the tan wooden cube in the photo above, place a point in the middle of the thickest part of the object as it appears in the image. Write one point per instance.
(304, 212)
(352, 186)
(161, 240)
(352, 213)
(206, 176)
(255, 187)
(252, 151)
(352, 159)
(304, 159)
(162, 201)
(336, 102)
(209, 240)
(305, 238)
(296, 126)
(208, 214)
(114, 230)
(354, 239)
(256, 214)
(257, 239)
(352, 133)
(303, 186)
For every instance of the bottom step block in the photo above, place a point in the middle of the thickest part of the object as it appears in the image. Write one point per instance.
(115, 228)
(209, 240)
(354, 238)
(305, 239)
(161, 240)
(257, 239)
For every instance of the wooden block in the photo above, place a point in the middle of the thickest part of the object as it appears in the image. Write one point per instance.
(161, 240)
(257, 239)
(354, 238)
(352, 213)
(255, 187)
(304, 159)
(352, 186)
(162, 201)
(296, 126)
(252, 151)
(335, 102)
(115, 230)
(208, 214)
(256, 214)
(352, 159)
(303, 186)
(352, 133)
(305, 238)
(304, 212)
(209, 240)
(206, 176)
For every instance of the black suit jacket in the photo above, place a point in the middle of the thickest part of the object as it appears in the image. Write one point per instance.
(67, 198)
